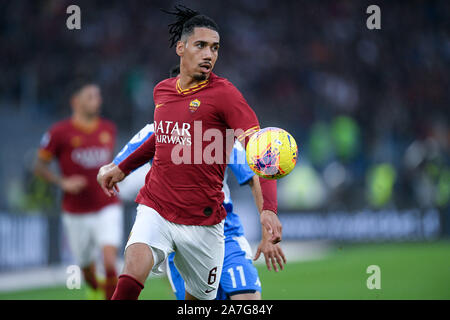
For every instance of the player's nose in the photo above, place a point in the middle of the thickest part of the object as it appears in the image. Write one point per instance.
(207, 55)
(206, 58)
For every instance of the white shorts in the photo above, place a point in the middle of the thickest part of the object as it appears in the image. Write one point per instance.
(87, 233)
(199, 249)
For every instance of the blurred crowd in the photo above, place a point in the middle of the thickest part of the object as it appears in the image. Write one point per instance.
(368, 108)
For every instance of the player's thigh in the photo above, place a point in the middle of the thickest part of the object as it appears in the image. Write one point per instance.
(109, 228)
(239, 275)
(79, 229)
(199, 258)
(151, 229)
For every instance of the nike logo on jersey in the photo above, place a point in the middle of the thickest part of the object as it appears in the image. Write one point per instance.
(159, 105)
(209, 290)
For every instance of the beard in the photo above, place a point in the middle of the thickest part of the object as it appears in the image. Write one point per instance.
(199, 77)
(92, 113)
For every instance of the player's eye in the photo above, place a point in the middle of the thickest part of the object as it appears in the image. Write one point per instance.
(200, 45)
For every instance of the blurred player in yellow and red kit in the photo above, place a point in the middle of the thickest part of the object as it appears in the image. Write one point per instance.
(92, 220)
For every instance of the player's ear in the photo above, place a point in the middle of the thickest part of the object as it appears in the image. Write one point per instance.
(180, 48)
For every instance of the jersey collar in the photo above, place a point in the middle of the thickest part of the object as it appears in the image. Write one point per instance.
(192, 89)
(85, 128)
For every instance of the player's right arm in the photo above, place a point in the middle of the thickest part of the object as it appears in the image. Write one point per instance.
(49, 148)
(135, 152)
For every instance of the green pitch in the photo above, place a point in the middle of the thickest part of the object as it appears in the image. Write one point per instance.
(408, 271)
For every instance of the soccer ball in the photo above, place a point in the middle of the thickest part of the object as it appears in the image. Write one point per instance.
(272, 153)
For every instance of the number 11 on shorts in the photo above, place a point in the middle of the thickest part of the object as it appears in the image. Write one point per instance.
(240, 269)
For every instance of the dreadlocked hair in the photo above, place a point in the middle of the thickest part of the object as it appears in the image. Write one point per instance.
(186, 20)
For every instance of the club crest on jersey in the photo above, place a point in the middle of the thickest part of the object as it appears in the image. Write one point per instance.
(75, 141)
(105, 137)
(193, 105)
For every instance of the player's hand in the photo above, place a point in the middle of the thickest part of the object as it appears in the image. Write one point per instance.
(272, 253)
(108, 176)
(73, 184)
(270, 221)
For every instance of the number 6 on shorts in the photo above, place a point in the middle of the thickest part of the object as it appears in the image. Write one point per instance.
(212, 275)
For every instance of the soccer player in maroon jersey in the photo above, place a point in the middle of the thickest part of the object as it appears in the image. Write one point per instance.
(81, 145)
(180, 207)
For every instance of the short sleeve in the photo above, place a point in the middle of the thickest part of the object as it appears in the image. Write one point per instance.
(237, 113)
(49, 145)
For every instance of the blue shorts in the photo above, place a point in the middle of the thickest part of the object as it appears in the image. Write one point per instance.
(239, 275)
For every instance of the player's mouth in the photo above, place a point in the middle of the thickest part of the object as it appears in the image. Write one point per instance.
(205, 67)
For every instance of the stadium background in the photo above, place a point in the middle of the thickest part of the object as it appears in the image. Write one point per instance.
(368, 108)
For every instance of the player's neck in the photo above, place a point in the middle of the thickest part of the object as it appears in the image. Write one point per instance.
(187, 82)
(85, 122)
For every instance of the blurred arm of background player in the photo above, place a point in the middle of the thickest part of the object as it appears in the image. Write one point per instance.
(73, 184)
(272, 251)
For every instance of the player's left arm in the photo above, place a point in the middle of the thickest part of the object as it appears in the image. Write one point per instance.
(240, 117)
(273, 253)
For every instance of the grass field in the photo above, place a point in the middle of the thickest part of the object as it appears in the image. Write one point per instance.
(408, 271)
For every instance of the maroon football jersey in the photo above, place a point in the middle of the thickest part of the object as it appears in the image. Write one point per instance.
(81, 151)
(191, 193)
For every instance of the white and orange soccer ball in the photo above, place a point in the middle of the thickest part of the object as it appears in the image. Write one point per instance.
(272, 153)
